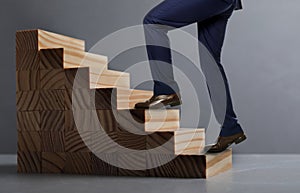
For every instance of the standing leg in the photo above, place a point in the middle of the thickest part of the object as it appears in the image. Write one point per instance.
(211, 34)
(164, 17)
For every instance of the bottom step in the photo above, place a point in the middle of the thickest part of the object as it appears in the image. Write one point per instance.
(183, 166)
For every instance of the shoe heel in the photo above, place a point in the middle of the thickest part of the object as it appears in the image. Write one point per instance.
(240, 139)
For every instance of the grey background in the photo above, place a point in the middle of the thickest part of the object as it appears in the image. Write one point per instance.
(260, 56)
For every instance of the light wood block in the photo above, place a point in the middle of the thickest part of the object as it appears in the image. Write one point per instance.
(218, 163)
(189, 141)
(127, 98)
(161, 120)
(109, 79)
(37, 39)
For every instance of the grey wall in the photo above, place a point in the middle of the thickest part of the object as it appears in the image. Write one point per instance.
(260, 56)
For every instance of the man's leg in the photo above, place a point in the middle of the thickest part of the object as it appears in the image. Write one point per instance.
(211, 34)
(164, 17)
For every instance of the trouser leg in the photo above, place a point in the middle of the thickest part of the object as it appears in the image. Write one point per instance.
(164, 17)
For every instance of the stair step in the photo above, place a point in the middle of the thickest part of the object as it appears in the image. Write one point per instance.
(127, 98)
(110, 79)
(161, 120)
(38, 39)
(189, 141)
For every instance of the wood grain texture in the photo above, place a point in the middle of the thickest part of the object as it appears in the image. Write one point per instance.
(132, 120)
(132, 164)
(79, 99)
(101, 166)
(28, 100)
(52, 121)
(110, 79)
(103, 142)
(161, 143)
(29, 162)
(48, 40)
(189, 141)
(81, 122)
(131, 140)
(77, 78)
(161, 120)
(27, 60)
(164, 169)
(28, 121)
(218, 163)
(28, 80)
(102, 99)
(104, 119)
(190, 166)
(52, 79)
(127, 98)
(51, 59)
(77, 141)
(78, 163)
(29, 141)
(53, 162)
(27, 40)
(53, 141)
(52, 100)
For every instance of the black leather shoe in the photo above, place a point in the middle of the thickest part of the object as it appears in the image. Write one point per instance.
(224, 142)
(159, 101)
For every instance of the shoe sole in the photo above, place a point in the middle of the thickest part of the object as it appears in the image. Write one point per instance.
(161, 106)
(237, 141)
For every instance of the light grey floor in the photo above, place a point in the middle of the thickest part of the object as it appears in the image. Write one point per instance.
(250, 174)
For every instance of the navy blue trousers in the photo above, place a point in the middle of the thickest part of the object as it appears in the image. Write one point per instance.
(211, 17)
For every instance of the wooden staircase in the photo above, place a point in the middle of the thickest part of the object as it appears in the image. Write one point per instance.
(49, 141)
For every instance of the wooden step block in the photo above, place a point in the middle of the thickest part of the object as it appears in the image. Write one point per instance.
(28, 80)
(101, 167)
(78, 163)
(189, 166)
(53, 141)
(218, 163)
(132, 164)
(52, 121)
(127, 98)
(27, 60)
(37, 39)
(109, 79)
(189, 141)
(53, 162)
(28, 100)
(161, 120)
(103, 99)
(29, 141)
(28, 121)
(29, 162)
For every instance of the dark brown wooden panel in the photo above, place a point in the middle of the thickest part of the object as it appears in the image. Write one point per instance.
(29, 162)
(106, 119)
(52, 120)
(103, 142)
(29, 141)
(51, 58)
(53, 79)
(161, 142)
(190, 166)
(28, 121)
(27, 40)
(131, 140)
(28, 80)
(131, 120)
(132, 164)
(102, 167)
(78, 163)
(77, 78)
(82, 122)
(53, 141)
(76, 141)
(28, 101)
(102, 99)
(27, 60)
(77, 99)
(52, 99)
(53, 162)
(164, 169)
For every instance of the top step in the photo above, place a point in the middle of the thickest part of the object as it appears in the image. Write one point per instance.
(38, 39)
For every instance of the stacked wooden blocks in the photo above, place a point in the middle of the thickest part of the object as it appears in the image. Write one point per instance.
(60, 91)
